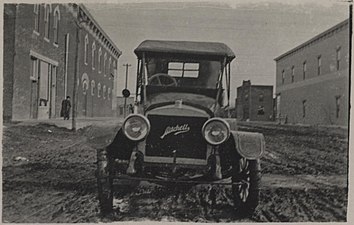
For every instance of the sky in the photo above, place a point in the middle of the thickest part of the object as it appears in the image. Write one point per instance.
(256, 30)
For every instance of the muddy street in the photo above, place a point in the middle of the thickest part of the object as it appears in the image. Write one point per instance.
(49, 176)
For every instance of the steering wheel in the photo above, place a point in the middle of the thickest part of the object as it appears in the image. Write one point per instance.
(162, 79)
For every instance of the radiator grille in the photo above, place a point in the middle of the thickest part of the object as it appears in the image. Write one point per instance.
(176, 133)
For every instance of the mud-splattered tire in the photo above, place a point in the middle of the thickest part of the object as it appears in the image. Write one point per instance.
(246, 196)
(104, 182)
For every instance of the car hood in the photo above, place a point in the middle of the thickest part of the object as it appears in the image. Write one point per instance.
(189, 101)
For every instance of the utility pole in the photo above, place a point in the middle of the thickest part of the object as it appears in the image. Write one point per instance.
(350, 45)
(125, 87)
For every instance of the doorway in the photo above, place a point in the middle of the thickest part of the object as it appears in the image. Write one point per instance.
(43, 91)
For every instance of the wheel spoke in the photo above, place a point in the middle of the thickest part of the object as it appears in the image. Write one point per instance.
(244, 177)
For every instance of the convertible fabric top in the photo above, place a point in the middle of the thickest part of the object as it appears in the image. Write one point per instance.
(186, 47)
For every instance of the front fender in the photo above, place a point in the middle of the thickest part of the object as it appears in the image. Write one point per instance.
(121, 147)
(249, 145)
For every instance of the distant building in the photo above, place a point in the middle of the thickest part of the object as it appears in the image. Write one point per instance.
(254, 102)
(40, 47)
(312, 80)
(120, 106)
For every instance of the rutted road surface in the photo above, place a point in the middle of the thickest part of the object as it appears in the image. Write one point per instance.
(49, 176)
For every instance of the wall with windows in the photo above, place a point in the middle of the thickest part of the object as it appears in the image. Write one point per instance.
(38, 65)
(325, 102)
(41, 73)
(98, 62)
(312, 79)
(254, 102)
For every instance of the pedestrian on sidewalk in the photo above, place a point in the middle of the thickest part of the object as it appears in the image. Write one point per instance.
(65, 108)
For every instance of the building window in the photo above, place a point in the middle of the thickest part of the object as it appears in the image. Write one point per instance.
(109, 93)
(93, 84)
(99, 90)
(304, 70)
(260, 110)
(35, 70)
(56, 25)
(104, 92)
(338, 58)
(245, 95)
(100, 60)
(282, 76)
(261, 97)
(85, 49)
(93, 55)
(46, 21)
(121, 110)
(105, 64)
(292, 74)
(337, 106)
(84, 86)
(37, 12)
(319, 64)
(303, 108)
(109, 65)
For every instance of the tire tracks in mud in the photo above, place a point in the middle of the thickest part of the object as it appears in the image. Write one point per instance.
(58, 185)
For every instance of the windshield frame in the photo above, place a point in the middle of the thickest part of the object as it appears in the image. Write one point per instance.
(224, 73)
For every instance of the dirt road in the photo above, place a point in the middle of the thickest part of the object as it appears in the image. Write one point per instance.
(49, 176)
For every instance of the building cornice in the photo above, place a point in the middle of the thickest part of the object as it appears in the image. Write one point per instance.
(315, 39)
(95, 29)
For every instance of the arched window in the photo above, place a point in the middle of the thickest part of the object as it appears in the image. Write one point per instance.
(109, 66)
(56, 25)
(109, 93)
(104, 63)
(104, 92)
(84, 86)
(85, 83)
(85, 49)
(99, 60)
(99, 90)
(114, 64)
(93, 84)
(93, 55)
(37, 12)
(46, 21)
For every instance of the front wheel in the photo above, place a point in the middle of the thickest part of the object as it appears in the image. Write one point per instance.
(246, 195)
(104, 181)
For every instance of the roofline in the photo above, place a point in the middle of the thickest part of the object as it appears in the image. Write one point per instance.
(335, 27)
(82, 6)
(230, 57)
(265, 86)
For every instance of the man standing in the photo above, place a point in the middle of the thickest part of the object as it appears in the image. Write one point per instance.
(65, 108)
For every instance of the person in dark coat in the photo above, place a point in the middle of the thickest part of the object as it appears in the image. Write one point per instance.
(65, 108)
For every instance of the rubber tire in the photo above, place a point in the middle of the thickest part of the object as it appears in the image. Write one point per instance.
(104, 182)
(247, 208)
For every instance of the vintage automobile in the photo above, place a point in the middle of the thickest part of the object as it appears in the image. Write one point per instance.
(178, 132)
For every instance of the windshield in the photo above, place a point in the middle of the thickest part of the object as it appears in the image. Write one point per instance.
(182, 72)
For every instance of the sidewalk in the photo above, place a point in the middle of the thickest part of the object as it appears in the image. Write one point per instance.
(80, 122)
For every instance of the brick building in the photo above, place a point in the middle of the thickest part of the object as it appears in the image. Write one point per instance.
(312, 80)
(254, 102)
(40, 48)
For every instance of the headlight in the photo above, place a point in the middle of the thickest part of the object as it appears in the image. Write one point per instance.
(216, 131)
(136, 127)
